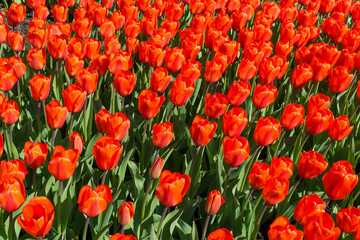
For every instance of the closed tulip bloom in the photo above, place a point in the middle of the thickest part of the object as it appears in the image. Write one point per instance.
(159, 80)
(126, 213)
(101, 119)
(311, 164)
(15, 41)
(238, 92)
(76, 142)
(12, 193)
(74, 98)
(215, 68)
(98, 14)
(107, 28)
(339, 79)
(10, 112)
(181, 90)
(281, 167)
(87, 79)
(275, 190)
(100, 64)
(268, 71)
(174, 58)
(307, 206)
(202, 130)
(348, 219)
(220, 234)
(340, 180)
(267, 130)
(117, 126)
(35, 154)
(264, 95)
(15, 168)
(124, 82)
(76, 45)
(292, 116)
(148, 25)
(56, 114)
(57, 47)
(172, 188)
(93, 202)
(215, 105)
(118, 19)
(4, 31)
(321, 226)
(213, 202)
(37, 37)
(132, 45)
(318, 102)
(18, 65)
(302, 74)
(234, 122)
(156, 56)
(38, 208)
(156, 168)
(82, 27)
(320, 69)
(132, 28)
(40, 87)
(318, 121)
(36, 58)
(120, 60)
(236, 150)
(59, 12)
(8, 77)
(63, 162)
(41, 12)
(15, 14)
(73, 64)
(340, 128)
(120, 236)
(258, 175)
(91, 48)
(149, 103)
(281, 229)
(191, 69)
(107, 151)
(162, 134)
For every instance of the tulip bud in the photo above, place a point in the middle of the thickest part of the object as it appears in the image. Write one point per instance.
(156, 168)
(126, 213)
(213, 202)
(76, 141)
(162, 134)
(101, 119)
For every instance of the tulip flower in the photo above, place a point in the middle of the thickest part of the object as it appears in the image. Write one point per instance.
(35, 154)
(174, 58)
(191, 69)
(339, 79)
(318, 121)
(73, 64)
(149, 103)
(118, 125)
(9, 112)
(238, 92)
(221, 233)
(57, 47)
(275, 190)
(318, 102)
(37, 37)
(126, 213)
(307, 206)
(202, 131)
(162, 134)
(215, 68)
(15, 41)
(281, 167)
(74, 98)
(181, 90)
(59, 12)
(37, 208)
(120, 236)
(107, 28)
(340, 128)
(15, 168)
(63, 162)
(348, 219)
(264, 95)
(292, 116)
(267, 130)
(93, 202)
(56, 114)
(236, 150)
(91, 48)
(100, 64)
(40, 87)
(159, 80)
(215, 105)
(76, 142)
(258, 175)
(124, 82)
(101, 119)
(311, 164)
(15, 14)
(12, 193)
(213, 202)
(321, 226)
(107, 151)
(340, 180)
(156, 168)
(234, 122)
(36, 58)
(82, 27)
(8, 78)
(87, 79)
(282, 229)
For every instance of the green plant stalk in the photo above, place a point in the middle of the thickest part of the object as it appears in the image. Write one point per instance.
(291, 193)
(103, 178)
(34, 179)
(259, 222)
(227, 178)
(328, 147)
(296, 159)
(193, 161)
(145, 197)
(113, 98)
(38, 120)
(348, 93)
(205, 227)
(71, 123)
(161, 222)
(84, 120)
(53, 139)
(58, 207)
(278, 143)
(11, 226)
(85, 228)
(89, 121)
(143, 145)
(247, 169)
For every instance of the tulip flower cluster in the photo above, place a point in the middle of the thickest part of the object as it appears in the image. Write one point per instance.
(180, 119)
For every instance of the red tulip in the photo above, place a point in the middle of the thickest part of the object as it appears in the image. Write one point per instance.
(348, 219)
(15, 168)
(63, 162)
(162, 134)
(56, 114)
(107, 151)
(74, 98)
(93, 202)
(267, 130)
(321, 226)
(214, 202)
(238, 92)
(202, 130)
(318, 121)
(275, 190)
(156, 168)
(12, 193)
(311, 164)
(215, 105)
(118, 125)
(234, 122)
(124, 82)
(340, 128)
(281, 167)
(159, 80)
(76, 141)
(35, 154)
(236, 150)
(281, 229)
(258, 175)
(292, 116)
(264, 95)
(149, 103)
(101, 119)
(126, 213)
(222, 234)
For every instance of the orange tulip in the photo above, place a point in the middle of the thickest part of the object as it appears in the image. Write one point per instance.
(267, 130)
(236, 150)
(35, 154)
(101, 119)
(292, 116)
(4, 31)
(76, 142)
(215, 105)
(101, 64)
(59, 12)
(12, 194)
(126, 213)
(174, 58)
(340, 128)
(18, 65)
(37, 37)
(15, 14)
(56, 114)
(348, 219)
(111, 45)
(118, 19)
(318, 102)
(1, 144)
(124, 82)
(340, 180)
(63, 162)
(162, 134)
(307, 206)
(214, 202)
(40, 87)
(234, 122)
(57, 47)
(82, 27)
(91, 48)
(181, 90)
(132, 45)
(156, 56)
(107, 151)
(149, 103)
(117, 126)
(191, 69)
(9, 112)
(15, 41)
(202, 130)
(238, 92)
(156, 168)
(247, 69)
(107, 28)
(76, 45)
(258, 175)
(73, 64)
(321, 226)
(311, 164)
(159, 80)
(41, 12)
(93, 202)
(318, 121)
(275, 190)
(15, 168)
(74, 98)
(120, 236)
(36, 58)
(120, 60)
(172, 188)
(282, 229)
(8, 77)
(98, 14)
(264, 95)
(281, 167)
(221, 233)
(339, 79)
(87, 79)
(215, 68)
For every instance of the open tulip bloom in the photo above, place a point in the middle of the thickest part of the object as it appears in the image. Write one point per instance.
(180, 119)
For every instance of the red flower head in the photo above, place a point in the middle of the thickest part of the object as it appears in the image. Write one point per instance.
(275, 190)
(264, 95)
(107, 151)
(35, 154)
(220, 234)
(93, 202)
(202, 130)
(159, 80)
(12, 193)
(282, 229)
(267, 130)
(281, 167)
(214, 202)
(307, 206)
(63, 162)
(318, 121)
(236, 150)
(56, 114)
(74, 98)
(40, 87)
(258, 175)
(234, 122)
(292, 116)
(215, 105)
(340, 128)
(348, 219)
(149, 103)
(311, 164)
(118, 125)
(124, 82)
(162, 134)
(321, 226)
(126, 213)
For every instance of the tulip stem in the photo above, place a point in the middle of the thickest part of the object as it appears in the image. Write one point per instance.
(345, 109)
(71, 122)
(205, 227)
(246, 201)
(278, 143)
(145, 197)
(38, 120)
(251, 121)
(171, 112)
(19, 92)
(34, 179)
(193, 161)
(84, 120)
(292, 192)
(332, 99)
(296, 159)
(11, 225)
(253, 157)
(309, 92)
(86, 227)
(11, 141)
(39, 238)
(161, 222)
(113, 96)
(352, 115)
(227, 178)
(58, 207)
(122, 229)
(144, 134)
(103, 178)
(122, 103)
(258, 222)
(328, 147)
(53, 139)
